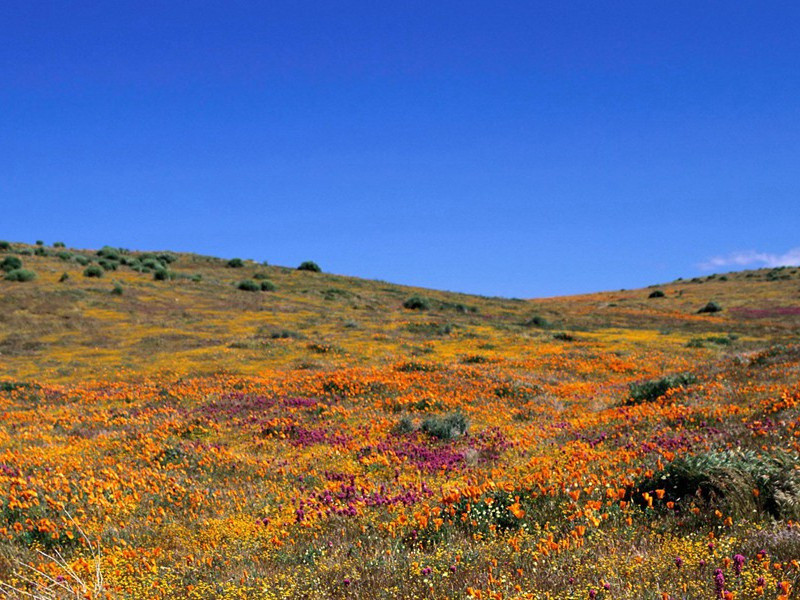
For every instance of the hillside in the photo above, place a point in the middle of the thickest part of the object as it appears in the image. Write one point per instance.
(198, 321)
(333, 437)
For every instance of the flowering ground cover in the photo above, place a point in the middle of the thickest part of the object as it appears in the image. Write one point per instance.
(185, 438)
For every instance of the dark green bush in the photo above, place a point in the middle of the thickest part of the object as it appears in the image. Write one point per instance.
(39, 242)
(309, 265)
(63, 278)
(268, 286)
(163, 274)
(25, 252)
(64, 255)
(4, 245)
(446, 427)
(40, 251)
(711, 307)
(648, 391)
(538, 321)
(93, 271)
(59, 245)
(117, 290)
(235, 263)
(20, 275)
(417, 303)
(10, 263)
(248, 285)
(564, 336)
(82, 260)
(657, 294)
(152, 263)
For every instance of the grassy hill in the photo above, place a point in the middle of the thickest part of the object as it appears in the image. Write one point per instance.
(333, 437)
(196, 320)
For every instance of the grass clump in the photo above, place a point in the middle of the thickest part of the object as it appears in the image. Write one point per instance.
(20, 275)
(649, 391)
(93, 271)
(446, 427)
(416, 302)
(309, 265)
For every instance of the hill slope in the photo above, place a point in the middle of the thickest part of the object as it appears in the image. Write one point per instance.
(200, 322)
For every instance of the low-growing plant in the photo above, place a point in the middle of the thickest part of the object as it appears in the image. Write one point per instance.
(20, 275)
(417, 303)
(648, 391)
(657, 294)
(82, 260)
(4, 245)
(537, 321)
(117, 290)
(163, 274)
(235, 263)
(10, 263)
(59, 245)
(93, 271)
(260, 275)
(446, 427)
(248, 285)
(711, 307)
(739, 481)
(268, 286)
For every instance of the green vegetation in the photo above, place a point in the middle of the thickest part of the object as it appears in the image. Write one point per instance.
(648, 391)
(20, 275)
(309, 265)
(416, 302)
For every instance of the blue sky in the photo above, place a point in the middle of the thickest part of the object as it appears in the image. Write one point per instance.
(503, 148)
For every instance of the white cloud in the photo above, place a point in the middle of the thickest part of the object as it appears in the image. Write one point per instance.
(751, 258)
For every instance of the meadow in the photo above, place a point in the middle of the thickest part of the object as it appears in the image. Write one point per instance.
(184, 426)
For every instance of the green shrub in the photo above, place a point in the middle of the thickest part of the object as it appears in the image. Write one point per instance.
(711, 307)
(10, 263)
(40, 251)
(657, 294)
(39, 243)
(63, 278)
(309, 265)
(248, 285)
(404, 426)
(59, 245)
(537, 321)
(117, 290)
(109, 252)
(446, 427)
(564, 336)
(93, 271)
(417, 303)
(235, 263)
(648, 391)
(4, 245)
(152, 262)
(261, 275)
(64, 255)
(163, 274)
(167, 257)
(268, 286)
(25, 252)
(20, 275)
(82, 260)
(108, 265)
(728, 480)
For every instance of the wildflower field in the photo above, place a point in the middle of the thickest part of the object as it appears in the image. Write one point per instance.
(169, 430)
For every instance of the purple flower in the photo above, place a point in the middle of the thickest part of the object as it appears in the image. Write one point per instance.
(719, 582)
(738, 563)
(678, 562)
(592, 594)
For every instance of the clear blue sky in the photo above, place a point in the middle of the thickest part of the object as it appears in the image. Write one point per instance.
(504, 148)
